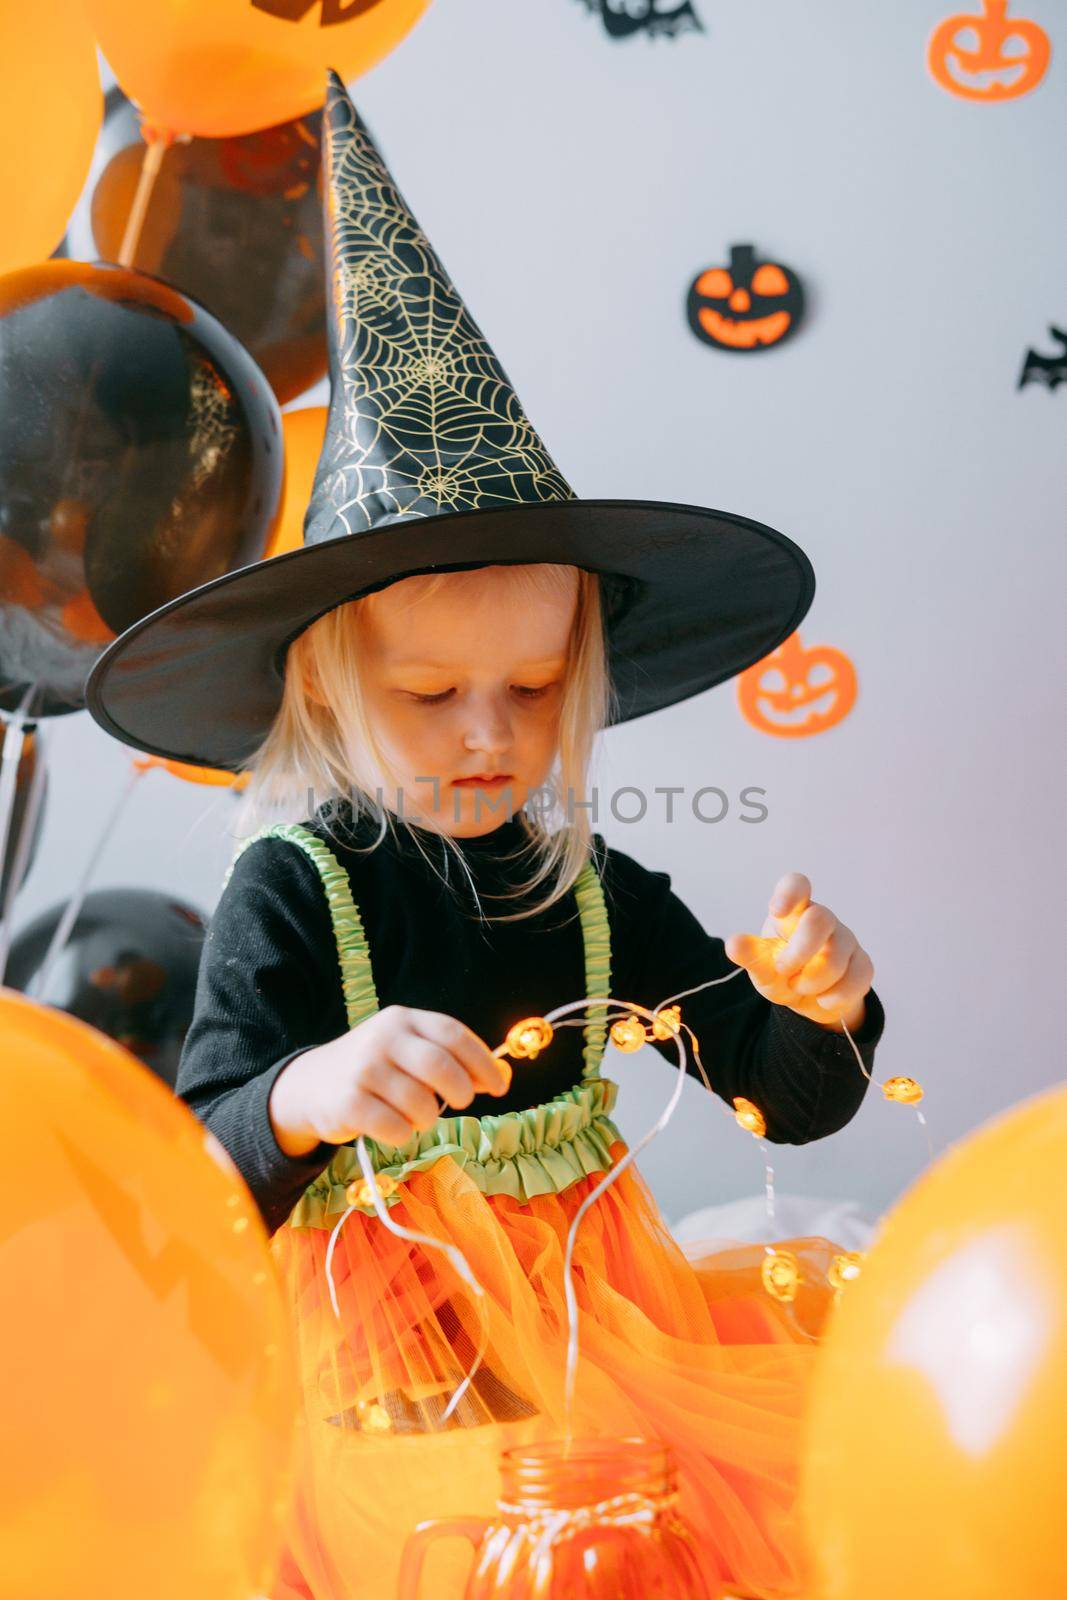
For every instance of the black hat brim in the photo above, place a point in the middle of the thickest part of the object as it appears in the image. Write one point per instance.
(692, 597)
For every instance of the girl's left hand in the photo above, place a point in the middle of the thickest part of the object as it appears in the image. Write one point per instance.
(806, 959)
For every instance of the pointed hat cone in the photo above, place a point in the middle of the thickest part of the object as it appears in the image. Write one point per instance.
(423, 419)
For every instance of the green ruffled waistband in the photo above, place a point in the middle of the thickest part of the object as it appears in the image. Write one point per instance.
(541, 1150)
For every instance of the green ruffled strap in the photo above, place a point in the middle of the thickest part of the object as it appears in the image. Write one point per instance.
(596, 936)
(540, 1150)
(357, 979)
(353, 951)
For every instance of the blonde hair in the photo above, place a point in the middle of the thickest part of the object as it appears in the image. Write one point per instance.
(321, 730)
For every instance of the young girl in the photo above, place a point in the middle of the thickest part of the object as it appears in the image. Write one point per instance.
(406, 688)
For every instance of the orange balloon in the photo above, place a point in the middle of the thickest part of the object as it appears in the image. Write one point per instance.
(936, 1452)
(21, 580)
(148, 1401)
(303, 432)
(224, 67)
(83, 621)
(50, 114)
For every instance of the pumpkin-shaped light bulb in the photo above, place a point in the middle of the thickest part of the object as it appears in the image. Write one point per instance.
(528, 1038)
(666, 1023)
(781, 1275)
(845, 1268)
(628, 1034)
(360, 1193)
(905, 1091)
(749, 1117)
(373, 1417)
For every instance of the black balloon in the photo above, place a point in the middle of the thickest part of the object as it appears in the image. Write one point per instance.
(31, 765)
(140, 456)
(235, 223)
(129, 969)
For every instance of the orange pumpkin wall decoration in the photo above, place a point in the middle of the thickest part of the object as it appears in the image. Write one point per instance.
(778, 696)
(989, 71)
(749, 306)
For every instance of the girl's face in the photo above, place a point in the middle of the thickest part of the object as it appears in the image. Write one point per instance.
(466, 683)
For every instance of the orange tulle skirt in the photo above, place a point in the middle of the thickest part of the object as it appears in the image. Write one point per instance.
(693, 1353)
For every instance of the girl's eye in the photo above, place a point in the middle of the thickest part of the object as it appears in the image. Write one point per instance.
(525, 690)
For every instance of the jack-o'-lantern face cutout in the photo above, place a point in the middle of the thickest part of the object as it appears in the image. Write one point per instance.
(749, 306)
(988, 57)
(794, 692)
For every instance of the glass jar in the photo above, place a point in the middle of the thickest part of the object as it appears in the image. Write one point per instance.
(592, 1520)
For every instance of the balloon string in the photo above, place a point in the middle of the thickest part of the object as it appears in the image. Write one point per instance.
(66, 922)
(24, 842)
(9, 767)
(155, 148)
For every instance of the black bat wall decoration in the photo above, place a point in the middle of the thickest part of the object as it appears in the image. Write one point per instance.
(1050, 371)
(623, 18)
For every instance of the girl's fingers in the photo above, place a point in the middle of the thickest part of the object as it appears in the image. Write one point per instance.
(854, 985)
(435, 1067)
(811, 933)
(743, 949)
(489, 1074)
(791, 893)
(828, 965)
(377, 1120)
(390, 1083)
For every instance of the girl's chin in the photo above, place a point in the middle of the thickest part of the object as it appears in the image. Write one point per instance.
(466, 810)
(486, 805)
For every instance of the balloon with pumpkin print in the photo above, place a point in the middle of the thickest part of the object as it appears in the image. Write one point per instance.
(221, 69)
(753, 304)
(990, 56)
(148, 1426)
(796, 692)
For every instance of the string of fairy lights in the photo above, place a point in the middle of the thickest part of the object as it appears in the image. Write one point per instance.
(781, 1272)
(630, 1027)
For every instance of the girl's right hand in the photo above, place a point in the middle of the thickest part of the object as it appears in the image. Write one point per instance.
(382, 1079)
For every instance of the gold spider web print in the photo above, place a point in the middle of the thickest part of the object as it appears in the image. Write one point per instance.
(423, 419)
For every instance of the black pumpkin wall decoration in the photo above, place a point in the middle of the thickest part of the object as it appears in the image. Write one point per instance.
(751, 305)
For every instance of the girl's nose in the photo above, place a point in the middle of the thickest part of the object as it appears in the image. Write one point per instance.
(489, 728)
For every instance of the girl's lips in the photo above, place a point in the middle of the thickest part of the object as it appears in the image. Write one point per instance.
(481, 783)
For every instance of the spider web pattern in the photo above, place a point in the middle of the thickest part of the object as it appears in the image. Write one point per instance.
(423, 419)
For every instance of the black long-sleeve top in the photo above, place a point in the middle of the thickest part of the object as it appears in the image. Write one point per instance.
(269, 987)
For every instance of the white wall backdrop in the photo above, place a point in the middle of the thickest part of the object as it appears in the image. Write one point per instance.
(573, 187)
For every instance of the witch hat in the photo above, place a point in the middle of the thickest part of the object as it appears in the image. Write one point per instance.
(430, 464)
